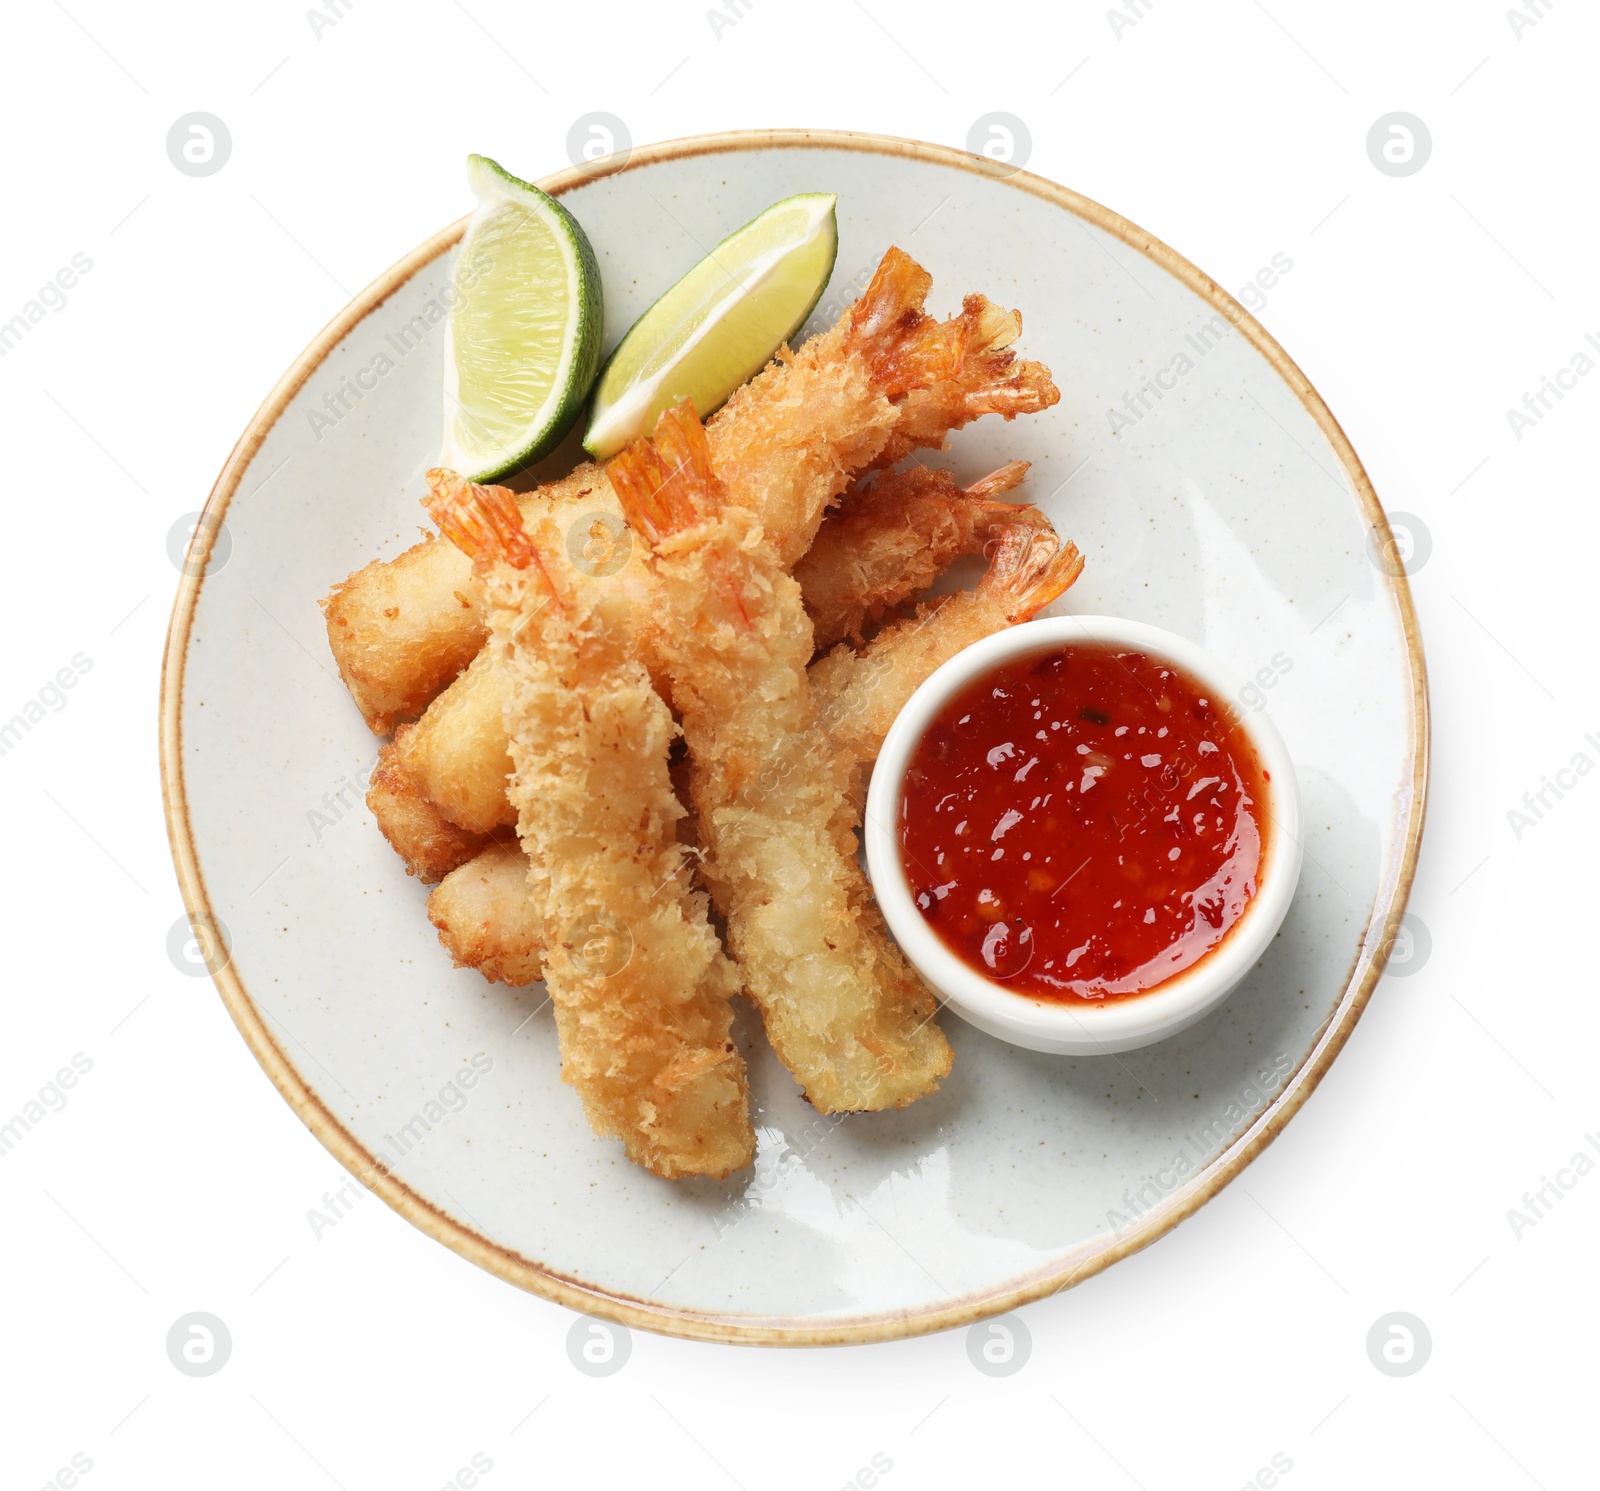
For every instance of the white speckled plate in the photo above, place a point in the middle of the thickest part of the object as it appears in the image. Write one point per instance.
(1225, 505)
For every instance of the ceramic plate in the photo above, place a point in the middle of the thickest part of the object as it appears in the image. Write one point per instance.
(1211, 492)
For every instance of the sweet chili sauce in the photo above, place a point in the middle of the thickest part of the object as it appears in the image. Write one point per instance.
(1083, 825)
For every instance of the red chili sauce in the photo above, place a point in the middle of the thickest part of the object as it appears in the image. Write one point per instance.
(1083, 825)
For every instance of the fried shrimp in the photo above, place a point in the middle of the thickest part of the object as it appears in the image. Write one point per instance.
(640, 985)
(891, 540)
(843, 1010)
(487, 920)
(791, 440)
(897, 535)
(483, 924)
(440, 789)
(886, 379)
(859, 694)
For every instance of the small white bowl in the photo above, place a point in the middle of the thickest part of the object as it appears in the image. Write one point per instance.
(1134, 1020)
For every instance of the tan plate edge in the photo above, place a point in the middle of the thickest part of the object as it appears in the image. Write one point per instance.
(1382, 927)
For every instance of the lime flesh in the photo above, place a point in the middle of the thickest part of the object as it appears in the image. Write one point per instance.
(720, 324)
(525, 318)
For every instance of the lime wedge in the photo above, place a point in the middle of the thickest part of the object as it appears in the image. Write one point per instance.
(524, 334)
(720, 324)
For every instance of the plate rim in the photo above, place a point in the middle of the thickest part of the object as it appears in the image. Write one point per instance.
(1083, 1263)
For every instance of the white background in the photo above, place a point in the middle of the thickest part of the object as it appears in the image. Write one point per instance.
(177, 1180)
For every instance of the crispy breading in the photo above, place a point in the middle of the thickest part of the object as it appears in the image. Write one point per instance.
(842, 1008)
(487, 919)
(464, 723)
(989, 380)
(897, 537)
(400, 629)
(892, 538)
(640, 984)
(429, 843)
(858, 694)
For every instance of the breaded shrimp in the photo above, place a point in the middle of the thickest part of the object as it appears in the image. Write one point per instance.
(858, 694)
(786, 445)
(487, 920)
(898, 535)
(791, 439)
(441, 786)
(892, 539)
(844, 1012)
(640, 985)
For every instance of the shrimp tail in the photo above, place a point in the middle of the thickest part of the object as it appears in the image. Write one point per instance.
(988, 380)
(896, 294)
(666, 485)
(987, 488)
(987, 515)
(991, 379)
(1030, 566)
(485, 523)
(966, 358)
(988, 520)
(904, 347)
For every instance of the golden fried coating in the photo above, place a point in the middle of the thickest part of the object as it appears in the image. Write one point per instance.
(640, 985)
(487, 918)
(541, 665)
(896, 537)
(421, 607)
(892, 539)
(843, 1010)
(429, 843)
(464, 725)
(400, 629)
(791, 439)
(858, 694)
